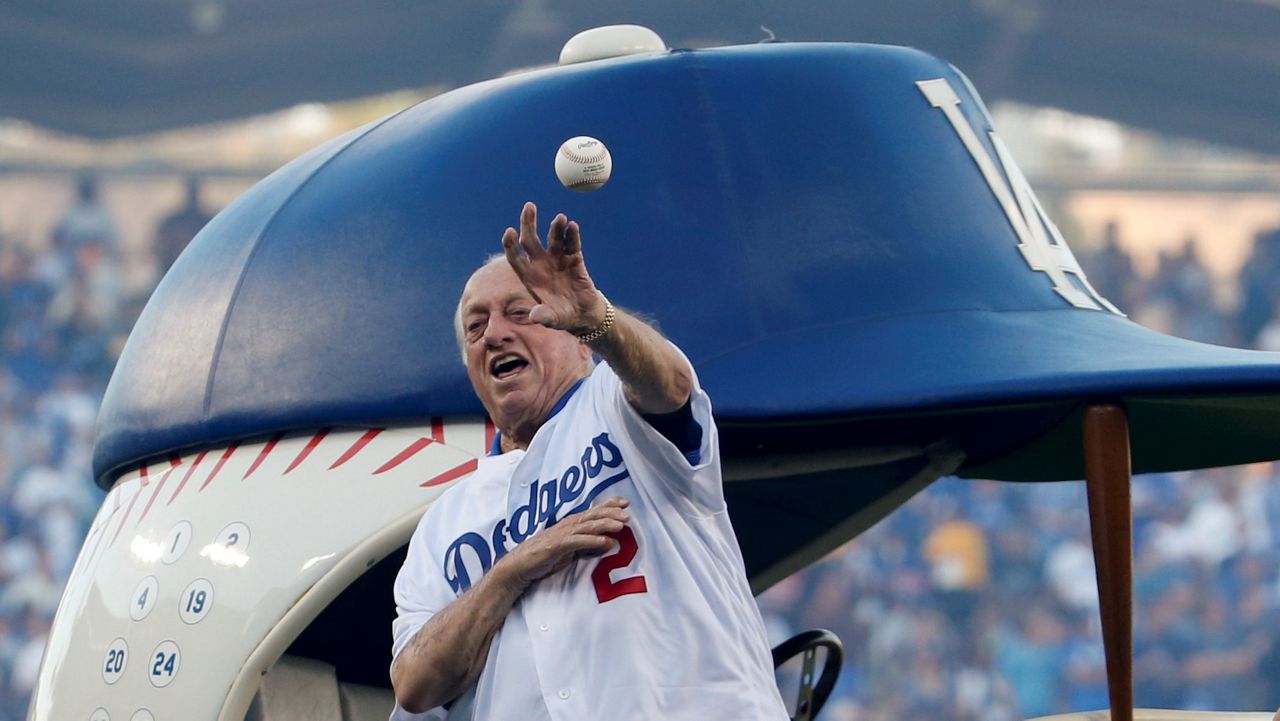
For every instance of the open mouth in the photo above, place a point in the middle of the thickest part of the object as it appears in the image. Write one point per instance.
(505, 366)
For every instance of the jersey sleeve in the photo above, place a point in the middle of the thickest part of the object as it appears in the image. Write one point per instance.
(690, 478)
(420, 589)
(420, 592)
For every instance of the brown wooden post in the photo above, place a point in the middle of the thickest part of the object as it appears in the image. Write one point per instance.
(1107, 475)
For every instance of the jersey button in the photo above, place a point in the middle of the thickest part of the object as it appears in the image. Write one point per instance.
(564, 693)
(543, 627)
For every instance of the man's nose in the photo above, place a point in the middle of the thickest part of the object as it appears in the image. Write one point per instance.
(497, 331)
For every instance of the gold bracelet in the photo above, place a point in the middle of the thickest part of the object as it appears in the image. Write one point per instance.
(604, 326)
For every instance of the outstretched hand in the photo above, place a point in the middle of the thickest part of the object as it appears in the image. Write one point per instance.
(555, 275)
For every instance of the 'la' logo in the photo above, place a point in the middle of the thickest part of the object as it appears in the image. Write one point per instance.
(1041, 244)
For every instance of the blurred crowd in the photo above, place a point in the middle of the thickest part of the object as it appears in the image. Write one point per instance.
(975, 600)
(64, 315)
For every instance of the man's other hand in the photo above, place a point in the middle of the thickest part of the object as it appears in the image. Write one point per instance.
(580, 535)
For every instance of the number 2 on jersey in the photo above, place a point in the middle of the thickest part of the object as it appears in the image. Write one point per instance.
(608, 589)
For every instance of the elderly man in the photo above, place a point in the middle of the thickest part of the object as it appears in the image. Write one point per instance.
(587, 569)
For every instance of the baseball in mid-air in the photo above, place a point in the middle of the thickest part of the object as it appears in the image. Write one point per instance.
(583, 164)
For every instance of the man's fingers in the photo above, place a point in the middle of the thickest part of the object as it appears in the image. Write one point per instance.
(543, 315)
(600, 526)
(612, 508)
(511, 249)
(591, 545)
(616, 501)
(529, 231)
(555, 234)
(529, 218)
(509, 241)
(614, 512)
(577, 545)
(572, 238)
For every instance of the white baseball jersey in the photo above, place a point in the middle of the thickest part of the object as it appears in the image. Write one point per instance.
(663, 626)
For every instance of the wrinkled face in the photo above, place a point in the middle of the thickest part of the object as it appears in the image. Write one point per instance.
(518, 368)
